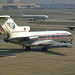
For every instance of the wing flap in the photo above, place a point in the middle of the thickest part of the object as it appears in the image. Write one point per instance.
(61, 44)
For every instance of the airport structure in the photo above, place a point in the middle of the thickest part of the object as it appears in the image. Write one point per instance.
(9, 1)
(13, 1)
(15, 4)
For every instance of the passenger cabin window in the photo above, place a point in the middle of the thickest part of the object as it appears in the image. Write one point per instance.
(57, 36)
(42, 36)
(53, 36)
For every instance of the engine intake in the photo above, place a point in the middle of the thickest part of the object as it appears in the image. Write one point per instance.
(33, 37)
(7, 40)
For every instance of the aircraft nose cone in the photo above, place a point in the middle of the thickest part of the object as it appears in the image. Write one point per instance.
(47, 16)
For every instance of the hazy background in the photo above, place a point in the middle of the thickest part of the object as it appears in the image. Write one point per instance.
(45, 1)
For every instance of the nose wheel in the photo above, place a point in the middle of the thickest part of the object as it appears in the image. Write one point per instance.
(28, 48)
(71, 43)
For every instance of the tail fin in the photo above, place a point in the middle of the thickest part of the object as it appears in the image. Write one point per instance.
(7, 24)
(21, 13)
(10, 27)
(3, 18)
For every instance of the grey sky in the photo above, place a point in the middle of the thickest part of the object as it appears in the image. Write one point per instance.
(46, 1)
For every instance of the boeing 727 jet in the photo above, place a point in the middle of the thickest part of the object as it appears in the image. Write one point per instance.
(33, 17)
(22, 35)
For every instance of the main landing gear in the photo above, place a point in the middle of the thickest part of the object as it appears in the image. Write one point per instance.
(27, 48)
(44, 49)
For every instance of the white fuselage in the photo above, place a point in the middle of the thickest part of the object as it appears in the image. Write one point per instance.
(35, 16)
(60, 36)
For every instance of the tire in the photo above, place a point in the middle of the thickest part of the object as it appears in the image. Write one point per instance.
(28, 48)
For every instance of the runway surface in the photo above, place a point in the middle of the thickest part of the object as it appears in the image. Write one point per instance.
(56, 61)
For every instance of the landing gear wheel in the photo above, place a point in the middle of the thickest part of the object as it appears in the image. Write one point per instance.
(65, 46)
(71, 43)
(28, 48)
(70, 46)
(44, 49)
(23, 47)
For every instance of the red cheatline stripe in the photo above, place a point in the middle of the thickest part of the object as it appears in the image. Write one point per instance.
(53, 38)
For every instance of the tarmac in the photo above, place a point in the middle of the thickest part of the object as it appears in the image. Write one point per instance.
(56, 61)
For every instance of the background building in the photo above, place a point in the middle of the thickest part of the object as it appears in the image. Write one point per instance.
(13, 1)
(10, 1)
(16, 1)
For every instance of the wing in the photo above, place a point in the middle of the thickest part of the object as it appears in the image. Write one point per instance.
(51, 42)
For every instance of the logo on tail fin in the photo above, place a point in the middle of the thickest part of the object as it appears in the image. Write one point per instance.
(11, 25)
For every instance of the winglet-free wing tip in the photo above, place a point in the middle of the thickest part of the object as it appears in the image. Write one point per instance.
(4, 16)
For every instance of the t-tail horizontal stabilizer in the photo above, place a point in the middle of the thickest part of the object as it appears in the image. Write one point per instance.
(4, 16)
(3, 19)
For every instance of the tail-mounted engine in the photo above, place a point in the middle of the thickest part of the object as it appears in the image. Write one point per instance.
(7, 40)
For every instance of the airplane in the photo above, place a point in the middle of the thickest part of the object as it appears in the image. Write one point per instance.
(22, 35)
(33, 17)
(71, 28)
